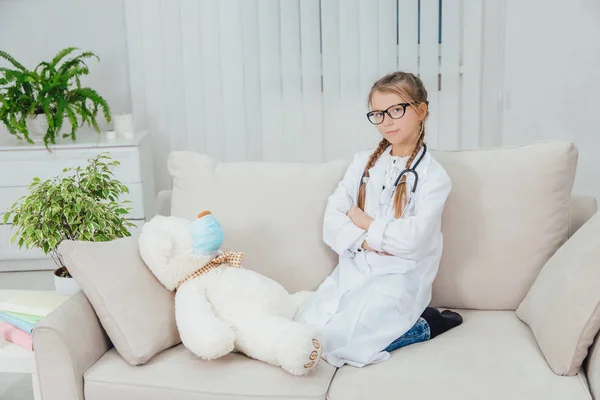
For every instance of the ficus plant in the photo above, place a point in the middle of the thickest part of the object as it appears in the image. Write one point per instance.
(82, 203)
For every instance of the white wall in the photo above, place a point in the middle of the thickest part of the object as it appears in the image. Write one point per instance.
(552, 79)
(545, 87)
(33, 31)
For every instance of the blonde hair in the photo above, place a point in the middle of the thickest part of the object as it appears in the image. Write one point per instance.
(410, 88)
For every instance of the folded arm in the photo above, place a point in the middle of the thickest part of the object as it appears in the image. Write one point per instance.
(410, 237)
(339, 232)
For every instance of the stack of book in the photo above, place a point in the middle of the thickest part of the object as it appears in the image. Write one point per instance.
(21, 310)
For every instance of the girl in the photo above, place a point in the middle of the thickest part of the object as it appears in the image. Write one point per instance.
(385, 226)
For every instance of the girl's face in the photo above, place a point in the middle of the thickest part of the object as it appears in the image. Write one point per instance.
(401, 131)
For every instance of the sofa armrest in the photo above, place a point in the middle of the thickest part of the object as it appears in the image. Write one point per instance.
(592, 368)
(163, 203)
(67, 343)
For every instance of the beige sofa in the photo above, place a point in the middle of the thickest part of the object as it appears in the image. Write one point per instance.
(509, 211)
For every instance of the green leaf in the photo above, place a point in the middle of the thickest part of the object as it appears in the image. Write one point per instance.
(11, 60)
(61, 54)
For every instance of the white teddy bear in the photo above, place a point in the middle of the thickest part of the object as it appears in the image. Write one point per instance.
(222, 307)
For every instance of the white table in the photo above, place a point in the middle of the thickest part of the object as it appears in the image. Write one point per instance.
(15, 359)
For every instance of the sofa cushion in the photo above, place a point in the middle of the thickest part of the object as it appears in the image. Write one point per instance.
(272, 212)
(582, 209)
(134, 308)
(563, 305)
(178, 374)
(508, 212)
(491, 356)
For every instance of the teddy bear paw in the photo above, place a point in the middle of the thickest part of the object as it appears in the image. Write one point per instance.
(299, 352)
(315, 355)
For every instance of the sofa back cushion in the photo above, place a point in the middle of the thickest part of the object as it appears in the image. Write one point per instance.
(507, 214)
(272, 212)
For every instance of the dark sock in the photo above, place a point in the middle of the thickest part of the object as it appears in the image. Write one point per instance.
(440, 322)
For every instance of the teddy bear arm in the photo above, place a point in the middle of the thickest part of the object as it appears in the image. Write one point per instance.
(201, 331)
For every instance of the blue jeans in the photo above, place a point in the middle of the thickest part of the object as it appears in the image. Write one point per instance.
(418, 333)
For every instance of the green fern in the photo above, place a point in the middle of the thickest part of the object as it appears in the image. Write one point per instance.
(53, 89)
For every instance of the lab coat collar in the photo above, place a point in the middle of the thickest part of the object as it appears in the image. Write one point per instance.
(377, 172)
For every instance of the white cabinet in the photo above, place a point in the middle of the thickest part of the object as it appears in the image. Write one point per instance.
(20, 162)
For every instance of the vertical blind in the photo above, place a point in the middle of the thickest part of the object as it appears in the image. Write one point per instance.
(288, 80)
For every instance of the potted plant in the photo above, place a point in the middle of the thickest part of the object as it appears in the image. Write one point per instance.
(79, 204)
(40, 103)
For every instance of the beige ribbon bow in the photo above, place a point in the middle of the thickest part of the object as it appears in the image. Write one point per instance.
(233, 258)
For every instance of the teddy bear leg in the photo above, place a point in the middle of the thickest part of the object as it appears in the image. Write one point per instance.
(299, 298)
(201, 331)
(276, 340)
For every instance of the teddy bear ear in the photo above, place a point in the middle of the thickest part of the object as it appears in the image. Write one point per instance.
(203, 213)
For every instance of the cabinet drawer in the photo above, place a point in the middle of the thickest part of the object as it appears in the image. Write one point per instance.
(8, 195)
(23, 166)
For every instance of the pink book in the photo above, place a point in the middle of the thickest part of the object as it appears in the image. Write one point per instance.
(16, 336)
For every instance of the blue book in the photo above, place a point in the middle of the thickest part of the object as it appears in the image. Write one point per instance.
(17, 323)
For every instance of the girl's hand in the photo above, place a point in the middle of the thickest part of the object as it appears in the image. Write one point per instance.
(366, 246)
(359, 218)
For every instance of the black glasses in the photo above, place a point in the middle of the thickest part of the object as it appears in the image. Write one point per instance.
(396, 111)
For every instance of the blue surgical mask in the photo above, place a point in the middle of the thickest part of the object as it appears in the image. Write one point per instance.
(208, 235)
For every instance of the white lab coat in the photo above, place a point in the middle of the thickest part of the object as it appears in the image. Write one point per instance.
(370, 299)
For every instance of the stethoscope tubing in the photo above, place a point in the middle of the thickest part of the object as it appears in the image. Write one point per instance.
(412, 169)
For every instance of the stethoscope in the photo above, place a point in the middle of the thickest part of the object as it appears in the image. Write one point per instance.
(412, 170)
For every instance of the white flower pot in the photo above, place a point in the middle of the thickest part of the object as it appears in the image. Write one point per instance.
(37, 126)
(66, 286)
